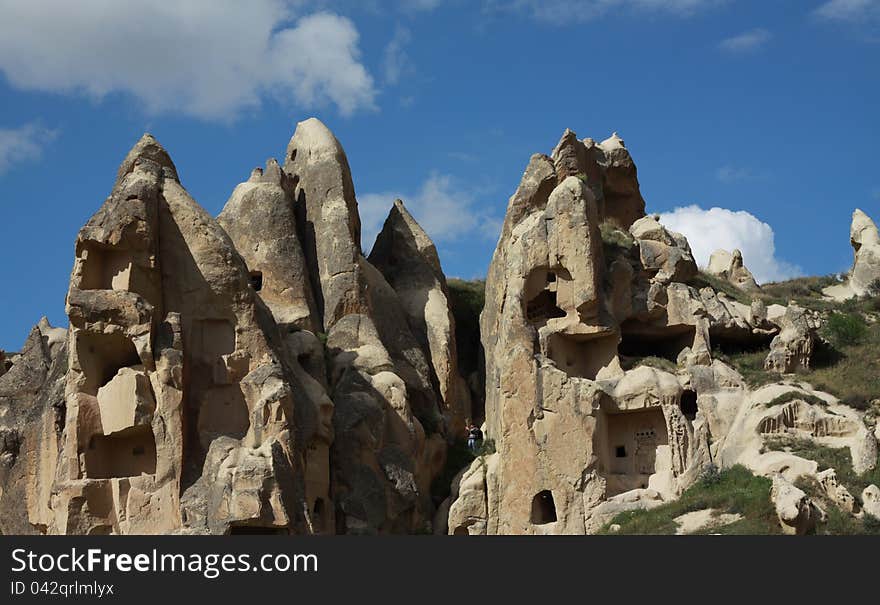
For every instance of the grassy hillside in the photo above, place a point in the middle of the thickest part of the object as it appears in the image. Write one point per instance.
(735, 490)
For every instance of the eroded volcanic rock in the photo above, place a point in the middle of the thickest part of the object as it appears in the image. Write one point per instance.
(247, 374)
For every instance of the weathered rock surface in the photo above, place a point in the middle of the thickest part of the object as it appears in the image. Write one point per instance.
(865, 272)
(194, 392)
(257, 374)
(871, 500)
(797, 513)
(260, 219)
(571, 428)
(407, 259)
(608, 170)
(584, 429)
(729, 266)
(388, 411)
(792, 348)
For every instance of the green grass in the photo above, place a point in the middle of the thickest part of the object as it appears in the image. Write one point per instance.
(850, 370)
(795, 396)
(750, 364)
(799, 287)
(734, 490)
(703, 280)
(827, 457)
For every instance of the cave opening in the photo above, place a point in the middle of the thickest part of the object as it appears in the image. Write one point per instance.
(127, 453)
(580, 356)
(543, 290)
(105, 268)
(639, 340)
(256, 278)
(101, 356)
(688, 404)
(736, 342)
(633, 445)
(543, 508)
(318, 513)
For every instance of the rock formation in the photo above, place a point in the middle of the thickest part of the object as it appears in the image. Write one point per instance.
(792, 348)
(579, 296)
(865, 273)
(249, 374)
(729, 266)
(255, 373)
(408, 260)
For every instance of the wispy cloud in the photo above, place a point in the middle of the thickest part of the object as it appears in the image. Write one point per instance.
(207, 58)
(746, 42)
(444, 208)
(22, 144)
(562, 12)
(720, 228)
(462, 156)
(849, 10)
(419, 5)
(728, 174)
(396, 61)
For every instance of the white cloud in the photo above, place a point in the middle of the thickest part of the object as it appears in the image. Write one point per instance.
(22, 144)
(728, 174)
(420, 5)
(709, 230)
(443, 209)
(746, 42)
(849, 10)
(206, 58)
(574, 11)
(396, 62)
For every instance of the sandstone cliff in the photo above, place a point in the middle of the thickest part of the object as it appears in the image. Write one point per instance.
(256, 373)
(246, 374)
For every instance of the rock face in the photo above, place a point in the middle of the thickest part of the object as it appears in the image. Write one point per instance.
(797, 514)
(408, 260)
(865, 272)
(249, 374)
(584, 423)
(608, 170)
(729, 266)
(571, 428)
(388, 416)
(181, 408)
(792, 348)
(260, 219)
(255, 373)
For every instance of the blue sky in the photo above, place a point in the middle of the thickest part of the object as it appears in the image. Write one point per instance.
(765, 111)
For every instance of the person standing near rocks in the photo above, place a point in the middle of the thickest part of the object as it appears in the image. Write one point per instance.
(474, 436)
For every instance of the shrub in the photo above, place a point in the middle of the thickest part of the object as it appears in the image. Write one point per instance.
(615, 241)
(845, 329)
(710, 475)
(794, 396)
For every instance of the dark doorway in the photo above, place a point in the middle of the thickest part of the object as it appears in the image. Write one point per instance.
(688, 404)
(543, 508)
